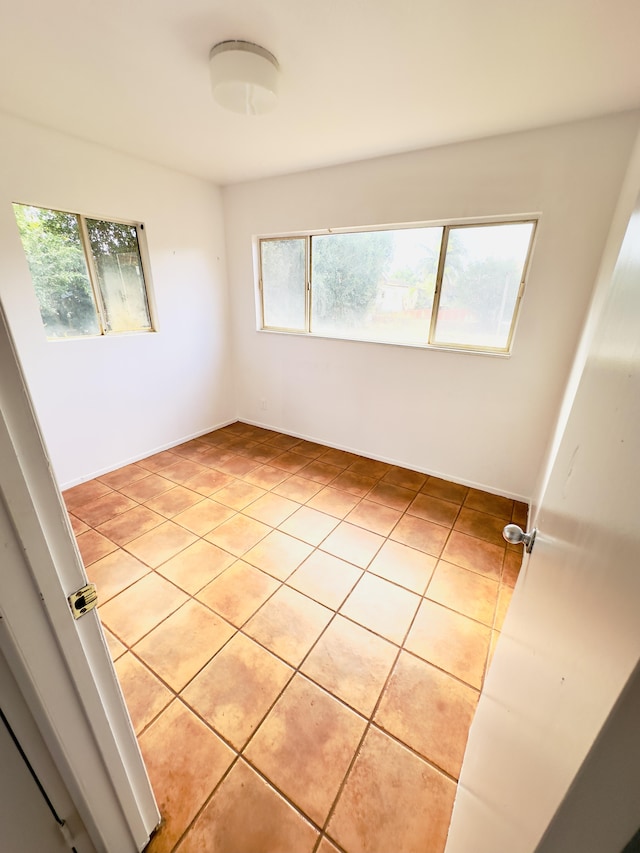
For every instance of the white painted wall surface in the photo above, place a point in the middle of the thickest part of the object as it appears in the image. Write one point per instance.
(471, 418)
(103, 402)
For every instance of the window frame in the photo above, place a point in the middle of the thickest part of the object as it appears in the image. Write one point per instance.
(92, 273)
(447, 226)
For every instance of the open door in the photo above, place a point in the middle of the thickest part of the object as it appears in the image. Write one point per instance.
(564, 673)
(60, 665)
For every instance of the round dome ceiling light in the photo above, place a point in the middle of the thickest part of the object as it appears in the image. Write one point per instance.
(244, 77)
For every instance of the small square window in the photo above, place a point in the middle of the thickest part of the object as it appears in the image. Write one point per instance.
(88, 274)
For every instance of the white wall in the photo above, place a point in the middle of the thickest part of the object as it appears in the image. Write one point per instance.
(472, 418)
(105, 401)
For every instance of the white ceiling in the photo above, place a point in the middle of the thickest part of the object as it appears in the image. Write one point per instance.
(360, 78)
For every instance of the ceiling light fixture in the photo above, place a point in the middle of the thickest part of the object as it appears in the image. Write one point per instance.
(244, 77)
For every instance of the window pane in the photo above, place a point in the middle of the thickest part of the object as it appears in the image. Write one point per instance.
(119, 269)
(483, 269)
(283, 283)
(375, 285)
(53, 247)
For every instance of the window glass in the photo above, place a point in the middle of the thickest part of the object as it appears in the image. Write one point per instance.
(56, 259)
(484, 267)
(376, 285)
(72, 261)
(283, 268)
(116, 256)
(456, 286)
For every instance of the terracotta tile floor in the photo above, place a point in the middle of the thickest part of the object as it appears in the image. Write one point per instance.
(301, 635)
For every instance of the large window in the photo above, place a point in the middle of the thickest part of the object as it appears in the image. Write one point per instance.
(87, 273)
(455, 286)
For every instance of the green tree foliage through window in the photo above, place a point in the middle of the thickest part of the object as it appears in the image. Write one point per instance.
(71, 259)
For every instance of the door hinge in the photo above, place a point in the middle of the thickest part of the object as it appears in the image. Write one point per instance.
(84, 600)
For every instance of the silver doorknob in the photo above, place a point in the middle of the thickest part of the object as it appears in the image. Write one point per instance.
(515, 535)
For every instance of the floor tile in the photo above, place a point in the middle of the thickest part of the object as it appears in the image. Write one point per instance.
(196, 566)
(403, 565)
(202, 517)
(78, 495)
(185, 761)
(520, 514)
(351, 663)
(333, 502)
(405, 478)
(102, 509)
(353, 544)
(146, 488)
(140, 607)
(305, 746)
(182, 471)
(355, 484)
(282, 441)
(325, 578)
(146, 696)
(131, 524)
(341, 458)
(237, 688)
(511, 567)
(114, 573)
(238, 535)
(116, 648)
(429, 711)
(393, 801)
(381, 606)
(466, 592)
(471, 553)
(310, 449)
(159, 461)
(446, 490)
(183, 643)
(392, 496)
(208, 482)
(375, 517)
(320, 472)
(160, 544)
(298, 489)
(174, 501)
(370, 468)
(326, 846)
(238, 494)
(272, 509)
(266, 476)
(481, 525)
(504, 599)
(288, 624)
(246, 814)
(450, 641)
(290, 461)
(434, 509)
(238, 592)
(418, 533)
(263, 454)
(493, 504)
(239, 466)
(124, 476)
(93, 546)
(309, 524)
(278, 554)
(77, 526)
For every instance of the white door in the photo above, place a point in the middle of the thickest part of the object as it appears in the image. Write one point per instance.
(571, 640)
(61, 666)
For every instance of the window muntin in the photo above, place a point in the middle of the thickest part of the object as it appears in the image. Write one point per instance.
(87, 273)
(451, 286)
